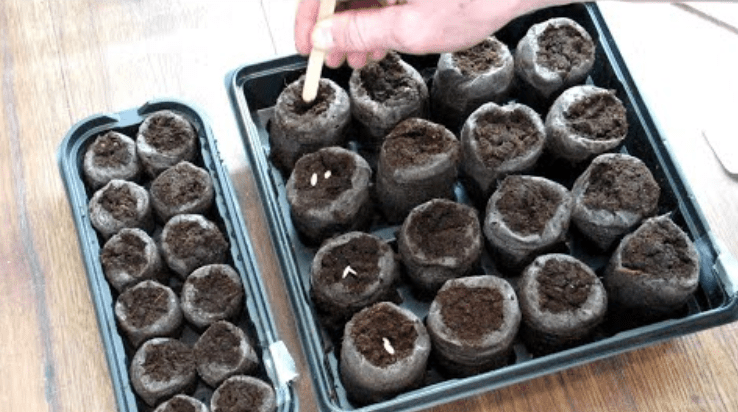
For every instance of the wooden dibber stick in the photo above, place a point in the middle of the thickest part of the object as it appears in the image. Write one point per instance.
(317, 57)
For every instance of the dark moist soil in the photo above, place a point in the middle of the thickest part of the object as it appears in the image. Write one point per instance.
(598, 117)
(110, 151)
(216, 291)
(219, 345)
(165, 133)
(126, 253)
(324, 99)
(239, 396)
(362, 254)
(178, 186)
(383, 322)
(503, 137)
(145, 306)
(190, 239)
(563, 286)
(386, 79)
(326, 190)
(527, 207)
(441, 230)
(621, 185)
(471, 313)
(179, 405)
(660, 252)
(479, 59)
(561, 48)
(413, 143)
(164, 362)
(120, 203)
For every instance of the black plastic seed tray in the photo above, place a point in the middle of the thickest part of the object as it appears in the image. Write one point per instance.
(256, 320)
(254, 90)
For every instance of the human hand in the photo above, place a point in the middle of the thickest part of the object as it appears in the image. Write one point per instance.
(366, 31)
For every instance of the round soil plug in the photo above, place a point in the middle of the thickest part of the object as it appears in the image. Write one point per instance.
(120, 204)
(161, 368)
(526, 216)
(383, 94)
(418, 162)
(222, 351)
(212, 293)
(438, 241)
(244, 393)
(111, 156)
(612, 197)
(585, 121)
(497, 141)
(148, 310)
(350, 272)
(472, 324)
(384, 353)
(562, 301)
(466, 79)
(654, 270)
(164, 139)
(554, 55)
(191, 241)
(129, 257)
(182, 403)
(329, 193)
(182, 189)
(299, 128)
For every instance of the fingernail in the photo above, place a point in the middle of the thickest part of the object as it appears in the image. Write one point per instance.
(322, 36)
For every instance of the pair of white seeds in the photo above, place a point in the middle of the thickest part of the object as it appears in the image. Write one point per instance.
(314, 177)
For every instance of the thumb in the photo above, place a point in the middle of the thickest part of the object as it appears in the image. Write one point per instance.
(358, 31)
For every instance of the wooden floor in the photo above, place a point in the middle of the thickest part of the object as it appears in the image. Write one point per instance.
(64, 60)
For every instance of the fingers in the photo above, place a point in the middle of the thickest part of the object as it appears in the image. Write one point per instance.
(307, 14)
(356, 31)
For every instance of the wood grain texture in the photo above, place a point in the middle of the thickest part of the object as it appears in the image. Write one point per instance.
(64, 60)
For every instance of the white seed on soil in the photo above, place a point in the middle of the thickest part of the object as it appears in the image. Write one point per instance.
(388, 346)
(314, 179)
(348, 271)
(327, 174)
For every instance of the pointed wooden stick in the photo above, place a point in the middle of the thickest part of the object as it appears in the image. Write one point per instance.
(317, 57)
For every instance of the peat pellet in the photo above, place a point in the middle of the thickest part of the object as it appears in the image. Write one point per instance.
(244, 393)
(182, 189)
(112, 155)
(418, 162)
(298, 128)
(129, 257)
(164, 139)
(655, 270)
(182, 403)
(613, 195)
(329, 193)
(473, 323)
(191, 241)
(222, 351)
(148, 310)
(212, 293)
(350, 272)
(562, 301)
(585, 121)
(440, 240)
(162, 368)
(120, 204)
(383, 94)
(384, 352)
(497, 141)
(525, 217)
(466, 79)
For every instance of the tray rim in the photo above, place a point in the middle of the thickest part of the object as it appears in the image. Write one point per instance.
(456, 389)
(278, 363)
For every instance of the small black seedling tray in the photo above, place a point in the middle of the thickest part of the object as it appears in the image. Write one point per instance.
(254, 90)
(277, 365)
